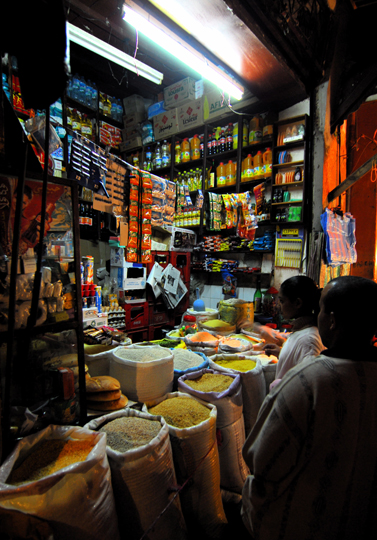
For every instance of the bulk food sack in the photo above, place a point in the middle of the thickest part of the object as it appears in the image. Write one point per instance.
(252, 380)
(234, 311)
(225, 392)
(145, 372)
(143, 475)
(186, 361)
(196, 460)
(57, 483)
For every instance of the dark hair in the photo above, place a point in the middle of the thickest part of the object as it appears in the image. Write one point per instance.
(353, 300)
(306, 289)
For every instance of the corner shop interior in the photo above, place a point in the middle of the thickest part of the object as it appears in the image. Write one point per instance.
(277, 74)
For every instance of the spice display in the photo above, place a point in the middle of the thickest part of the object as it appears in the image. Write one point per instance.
(129, 432)
(210, 382)
(184, 359)
(203, 336)
(238, 365)
(50, 456)
(147, 354)
(181, 412)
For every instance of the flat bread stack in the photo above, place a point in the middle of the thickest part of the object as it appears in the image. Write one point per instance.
(104, 394)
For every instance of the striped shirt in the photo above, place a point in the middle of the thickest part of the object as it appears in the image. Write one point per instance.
(312, 454)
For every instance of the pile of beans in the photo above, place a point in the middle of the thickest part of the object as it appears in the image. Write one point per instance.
(49, 457)
(210, 382)
(128, 432)
(181, 412)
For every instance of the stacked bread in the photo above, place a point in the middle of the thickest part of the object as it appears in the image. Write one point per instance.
(104, 394)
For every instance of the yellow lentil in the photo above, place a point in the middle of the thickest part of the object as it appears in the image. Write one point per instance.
(210, 382)
(238, 365)
(50, 456)
(181, 412)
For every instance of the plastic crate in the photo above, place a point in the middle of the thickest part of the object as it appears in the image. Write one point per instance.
(158, 313)
(136, 315)
(182, 261)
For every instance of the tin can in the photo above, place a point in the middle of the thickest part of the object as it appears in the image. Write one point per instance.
(88, 269)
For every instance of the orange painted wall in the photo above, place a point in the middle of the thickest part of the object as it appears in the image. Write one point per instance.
(363, 194)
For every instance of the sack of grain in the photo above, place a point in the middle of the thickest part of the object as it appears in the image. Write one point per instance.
(252, 380)
(235, 310)
(143, 475)
(196, 460)
(186, 361)
(230, 423)
(97, 358)
(144, 372)
(60, 479)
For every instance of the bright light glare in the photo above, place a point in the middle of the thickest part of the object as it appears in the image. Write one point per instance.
(86, 40)
(195, 61)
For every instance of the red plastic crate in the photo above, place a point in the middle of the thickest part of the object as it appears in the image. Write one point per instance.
(136, 315)
(182, 261)
(158, 313)
(162, 257)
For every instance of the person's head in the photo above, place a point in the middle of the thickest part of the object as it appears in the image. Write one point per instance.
(348, 314)
(298, 297)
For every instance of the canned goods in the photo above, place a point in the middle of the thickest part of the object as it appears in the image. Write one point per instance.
(88, 269)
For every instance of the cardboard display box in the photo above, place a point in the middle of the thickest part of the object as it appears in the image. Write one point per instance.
(179, 93)
(190, 115)
(165, 124)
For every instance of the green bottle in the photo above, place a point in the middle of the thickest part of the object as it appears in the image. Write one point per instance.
(258, 298)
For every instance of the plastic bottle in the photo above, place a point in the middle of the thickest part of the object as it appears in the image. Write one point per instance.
(86, 127)
(213, 143)
(195, 147)
(221, 175)
(222, 141)
(209, 144)
(235, 136)
(165, 154)
(120, 110)
(255, 130)
(185, 151)
(101, 103)
(229, 171)
(88, 94)
(258, 165)
(75, 87)
(245, 134)
(267, 163)
(201, 146)
(107, 106)
(82, 90)
(158, 156)
(248, 168)
(229, 137)
(94, 102)
(177, 152)
(257, 298)
(76, 121)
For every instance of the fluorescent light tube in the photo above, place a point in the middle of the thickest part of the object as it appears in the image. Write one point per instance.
(144, 23)
(113, 54)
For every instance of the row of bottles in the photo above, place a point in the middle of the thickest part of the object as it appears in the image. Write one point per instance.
(226, 174)
(188, 149)
(86, 92)
(191, 178)
(187, 217)
(158, 158)
(81, 123)
(257, 167)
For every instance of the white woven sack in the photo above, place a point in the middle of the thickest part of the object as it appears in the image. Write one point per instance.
(196, 460)
(143, 381)
(230, 428)
(253, 387)
(74, 503)
(144, 484)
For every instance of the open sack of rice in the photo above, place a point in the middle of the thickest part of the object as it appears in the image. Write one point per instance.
(192, 428)
(224, 390)
(252, 379)
(143, 475)
(186, 361)
(144, 372)
(57, 483)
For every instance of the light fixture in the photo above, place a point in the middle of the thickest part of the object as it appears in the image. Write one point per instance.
(154, 30)
(113, 54)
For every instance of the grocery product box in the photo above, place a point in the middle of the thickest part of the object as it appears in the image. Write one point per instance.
(181, 239)
(165, 124)
(130, 144)
(133, 121)
(95, 322)
(190, 115)
(156, 108)
(179, 93)
(134, 104)
(116, 256)
(135, 276)
(109, 135)
(215, 105)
